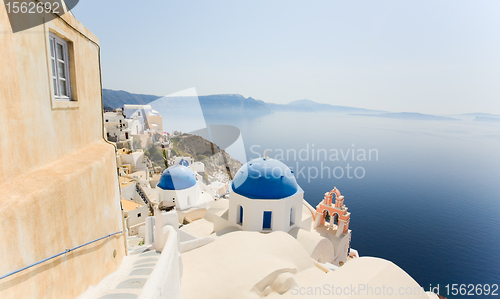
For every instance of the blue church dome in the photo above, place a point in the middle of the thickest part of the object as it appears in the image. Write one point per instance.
(265, 178)
(184, 163)
(177, 177)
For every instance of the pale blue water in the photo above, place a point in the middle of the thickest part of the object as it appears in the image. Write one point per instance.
(430, 203)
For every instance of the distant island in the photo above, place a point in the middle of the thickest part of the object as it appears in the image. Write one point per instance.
(232, 103)
(487, 119)
(236, 104)
(410, 115)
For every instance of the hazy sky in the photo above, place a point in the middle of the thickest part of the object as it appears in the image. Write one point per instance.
(429, 56)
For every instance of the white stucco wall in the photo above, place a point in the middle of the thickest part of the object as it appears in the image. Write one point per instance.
(135, 126)
(137, 216)
(184, 199)
(128, 192)
(319, 248)
(253, 212)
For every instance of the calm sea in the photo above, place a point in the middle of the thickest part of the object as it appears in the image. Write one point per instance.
(427, 199)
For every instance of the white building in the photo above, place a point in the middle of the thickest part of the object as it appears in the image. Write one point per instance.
(136, 112)
(187, 161)
(178, 186)
(145, 124)
(264, 197)
(134, 163)
(219, 188)
(143, 117)
(117, 129)
(134, 214)
(199, 167)
(135, 125)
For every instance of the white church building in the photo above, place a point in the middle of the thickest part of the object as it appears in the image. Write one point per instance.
(265, 197)
(178, 187)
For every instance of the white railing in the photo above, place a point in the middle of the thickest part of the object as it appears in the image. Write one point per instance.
(165, 280)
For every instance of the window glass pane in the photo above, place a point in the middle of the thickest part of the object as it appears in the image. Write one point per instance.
(60, 68)
(53, 67)
(268, 215)
(241, 214)
(51, 47)
(62, 88)
(55, 87)
(60, 52)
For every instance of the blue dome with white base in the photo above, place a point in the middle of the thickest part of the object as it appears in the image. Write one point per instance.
(177, 177)
(265, 178)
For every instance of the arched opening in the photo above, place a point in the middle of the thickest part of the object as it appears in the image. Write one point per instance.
(267, 220)
(240, 215)
(326, 215)
(335, 219)
(292, 222)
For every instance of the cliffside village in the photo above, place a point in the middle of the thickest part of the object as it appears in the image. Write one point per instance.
(133, 129)
(86, 213)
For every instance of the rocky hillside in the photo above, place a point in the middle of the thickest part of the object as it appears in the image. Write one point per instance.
(218, 163)
(210, 104)
(113, 99)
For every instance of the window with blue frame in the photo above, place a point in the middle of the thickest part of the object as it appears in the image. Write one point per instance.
(267, 219)
(240, 215)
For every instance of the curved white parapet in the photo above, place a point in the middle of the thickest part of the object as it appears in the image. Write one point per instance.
(193, 244)
(319, 248)
(165, 280)
(163, 219)
(310, 208)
